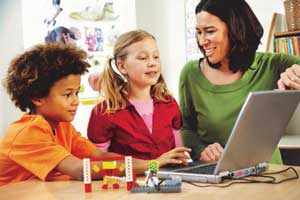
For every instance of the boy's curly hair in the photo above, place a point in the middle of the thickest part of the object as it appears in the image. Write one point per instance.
(33, 73)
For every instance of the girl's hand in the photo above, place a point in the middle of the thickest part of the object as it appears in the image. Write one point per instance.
(290, 79)
(174, 156)
(212, 152)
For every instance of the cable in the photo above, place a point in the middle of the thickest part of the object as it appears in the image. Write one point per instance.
(285, 170)
(268, 179)
(281, 171)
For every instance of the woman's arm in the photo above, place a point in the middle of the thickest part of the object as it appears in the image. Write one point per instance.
(286, 68)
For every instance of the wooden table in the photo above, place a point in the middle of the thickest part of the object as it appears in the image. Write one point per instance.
(35, 189)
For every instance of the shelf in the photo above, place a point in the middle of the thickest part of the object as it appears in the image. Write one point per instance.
(290, 142)
(278, 24)
(89, 101)
(286, 33)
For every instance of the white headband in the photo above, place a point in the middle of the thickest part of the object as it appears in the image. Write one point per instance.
(112, 62)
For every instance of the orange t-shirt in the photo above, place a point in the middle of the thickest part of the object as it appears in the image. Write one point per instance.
(30, 149)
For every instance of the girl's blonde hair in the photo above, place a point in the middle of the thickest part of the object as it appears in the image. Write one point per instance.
(113, 86)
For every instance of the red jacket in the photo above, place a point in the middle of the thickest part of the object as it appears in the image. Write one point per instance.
(129, 134)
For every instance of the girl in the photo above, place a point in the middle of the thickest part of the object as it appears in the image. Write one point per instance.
(138, 116)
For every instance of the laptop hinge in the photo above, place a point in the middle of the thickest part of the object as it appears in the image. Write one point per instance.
(245, 172)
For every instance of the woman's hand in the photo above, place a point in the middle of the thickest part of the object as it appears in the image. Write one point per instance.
(290, 79)
(211, 153)
(174, 156)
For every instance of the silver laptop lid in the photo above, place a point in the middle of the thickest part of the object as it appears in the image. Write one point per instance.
(258, 129)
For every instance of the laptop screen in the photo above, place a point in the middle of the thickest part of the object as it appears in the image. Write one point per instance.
(258, 129)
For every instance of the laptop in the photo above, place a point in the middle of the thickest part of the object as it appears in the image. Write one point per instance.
(254, 137)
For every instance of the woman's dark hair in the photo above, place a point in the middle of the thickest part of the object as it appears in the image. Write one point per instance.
(244, 29)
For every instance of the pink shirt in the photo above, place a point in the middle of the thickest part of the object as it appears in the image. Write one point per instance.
(145, 109)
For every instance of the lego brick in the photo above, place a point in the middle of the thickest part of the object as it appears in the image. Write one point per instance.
(161, 189)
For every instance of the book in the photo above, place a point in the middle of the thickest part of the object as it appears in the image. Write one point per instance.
(289, 45)
(295, 45)
(298, 41)
(284, 44)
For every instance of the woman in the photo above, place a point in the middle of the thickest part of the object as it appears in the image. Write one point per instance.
(213, 89)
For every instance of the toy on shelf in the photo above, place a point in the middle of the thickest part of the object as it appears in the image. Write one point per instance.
(99, 39)
(109, 11)
(154, 185)
(57, 10)
(109, 171)
(96, 12)
(90, 38)
(112, 36)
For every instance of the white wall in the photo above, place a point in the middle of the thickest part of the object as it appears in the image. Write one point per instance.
(166, 20)
(34, 30)
(264, 10)
(11, 44)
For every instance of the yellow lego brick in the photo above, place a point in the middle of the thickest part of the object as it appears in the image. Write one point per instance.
(109, 164)
(95, 168)
(122, 167)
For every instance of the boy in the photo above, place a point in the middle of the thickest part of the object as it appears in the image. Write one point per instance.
(45, 81)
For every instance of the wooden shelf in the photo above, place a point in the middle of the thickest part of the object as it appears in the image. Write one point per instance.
(278, 24)
(286, 33)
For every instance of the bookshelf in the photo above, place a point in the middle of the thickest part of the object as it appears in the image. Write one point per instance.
(290, 142)
(277, 24)
(286, 33)
(287, 42)
(280, 40)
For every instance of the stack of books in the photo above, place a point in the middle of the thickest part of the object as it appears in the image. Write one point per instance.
(289, 44)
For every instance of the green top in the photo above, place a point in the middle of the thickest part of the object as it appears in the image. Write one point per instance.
(209, 111)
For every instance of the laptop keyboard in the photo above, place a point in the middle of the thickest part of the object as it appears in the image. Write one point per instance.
(206, 169)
